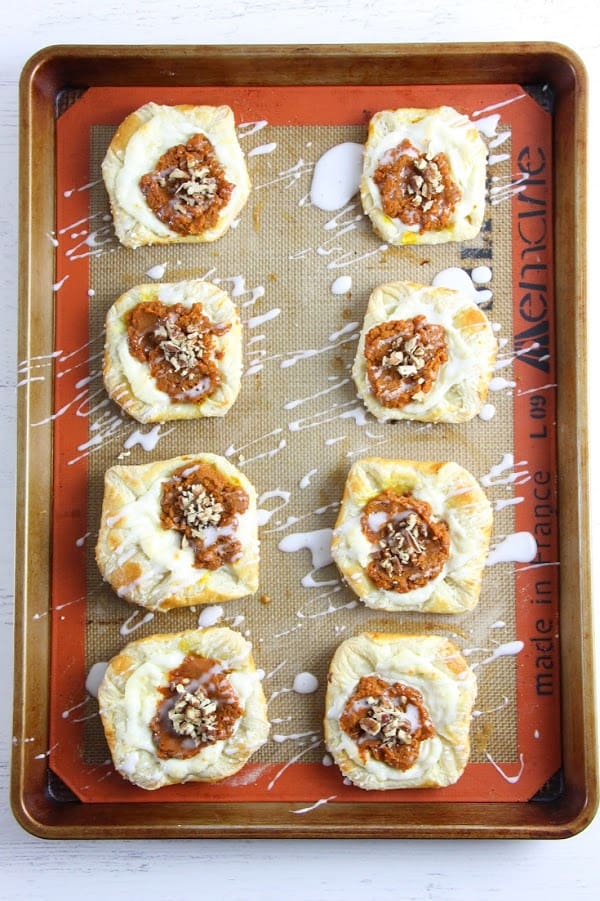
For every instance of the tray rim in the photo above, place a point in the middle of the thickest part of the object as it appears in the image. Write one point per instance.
(52, 70)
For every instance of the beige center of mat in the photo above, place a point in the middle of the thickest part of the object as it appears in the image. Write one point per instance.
(296, 428)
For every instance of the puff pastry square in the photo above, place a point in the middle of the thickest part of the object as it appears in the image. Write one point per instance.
(179, 532)
(183, 707)
(423, 179)
(173, 351)
(398, 711)
(412, 535)
(175, 174)
(424, 353)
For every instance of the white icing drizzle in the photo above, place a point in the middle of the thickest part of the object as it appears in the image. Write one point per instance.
(520, 547)
(348, 410)
(481, 275)
(336, 176)
(459, 280)
(341, 257)
(263, 514)
(210, 616)
(511, 779)
(245, 129)
(58, 285)
(341, 285)
(487, 412)
(504, 703)
(292, 404)
(262, 149)
(146, 440)
(488, 125)
(318, 543)
(507, 502)
(293, 520)
(238, 289)
(536, 390)
(315, 743)
(156, 272)
(301, 737)
(66, 714)
(305, 683)
(47, 753)
(504, 189)
(94, 678)
(130, 625)
(500, 139)
(256, 321)
(314, 806)
(492, 478)
(86, 187)
(232, 451)
(499, 384)
(509, 649)
(276, 670)
(493, 106)
(306, 479)
(290, 176)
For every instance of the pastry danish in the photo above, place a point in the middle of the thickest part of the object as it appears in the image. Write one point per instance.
(175, 173)
(179, 532)
(398, 711)
(423, 179)
(173, 351)
(412, 536)
(424, 353)
(183, 707)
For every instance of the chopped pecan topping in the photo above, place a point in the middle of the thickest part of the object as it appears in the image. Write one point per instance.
(194, 714)
(387, 721)
(402, 542)
(199, 509)
(197, 707)
(182, 347)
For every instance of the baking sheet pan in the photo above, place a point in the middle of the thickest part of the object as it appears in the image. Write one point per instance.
(569, 797)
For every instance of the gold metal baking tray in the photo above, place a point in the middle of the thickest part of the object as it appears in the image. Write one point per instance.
(52, 79)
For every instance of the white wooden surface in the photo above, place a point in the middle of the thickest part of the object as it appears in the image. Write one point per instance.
(34, 869)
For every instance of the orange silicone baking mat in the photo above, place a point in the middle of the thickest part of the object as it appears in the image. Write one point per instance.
(301, 277)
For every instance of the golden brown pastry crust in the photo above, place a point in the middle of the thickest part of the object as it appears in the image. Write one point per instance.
(130, 692)
(430, 131)
(145, 564)
(455, 498)
(432, 665)
(137, 145)
(461, 387)
(130, 383)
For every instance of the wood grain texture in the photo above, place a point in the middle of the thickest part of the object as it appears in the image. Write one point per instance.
(246, 869)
